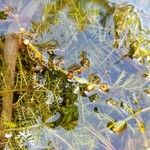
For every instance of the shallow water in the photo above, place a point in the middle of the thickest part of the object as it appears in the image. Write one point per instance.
(124, 78)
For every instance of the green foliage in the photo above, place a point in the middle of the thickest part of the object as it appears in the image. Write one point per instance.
(81, 89)
(126, 20)
(127, 23)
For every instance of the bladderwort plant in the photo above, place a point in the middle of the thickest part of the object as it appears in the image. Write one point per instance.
(74, 75)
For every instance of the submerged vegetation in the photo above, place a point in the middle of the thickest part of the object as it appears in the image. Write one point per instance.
(74, 75)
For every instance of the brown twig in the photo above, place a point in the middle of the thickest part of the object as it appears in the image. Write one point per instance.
(10, 57)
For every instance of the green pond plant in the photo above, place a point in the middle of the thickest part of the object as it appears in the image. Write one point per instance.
(38, 83)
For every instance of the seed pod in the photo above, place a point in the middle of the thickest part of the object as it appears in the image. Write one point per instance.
(85, 62)
(83, 88)
(94, 97)
(104, 87)
(90, 87)
(83, 55)
(111, 102)
(75, 68)
(93, 78)
(79, 70)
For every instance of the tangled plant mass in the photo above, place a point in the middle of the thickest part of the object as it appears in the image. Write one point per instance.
(74, 75)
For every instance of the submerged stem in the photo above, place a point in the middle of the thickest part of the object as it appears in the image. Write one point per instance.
(10, 57)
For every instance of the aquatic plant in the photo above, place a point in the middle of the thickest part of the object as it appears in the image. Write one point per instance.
(74, 75)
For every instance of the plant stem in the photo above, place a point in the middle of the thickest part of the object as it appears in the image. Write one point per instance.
(10, 57)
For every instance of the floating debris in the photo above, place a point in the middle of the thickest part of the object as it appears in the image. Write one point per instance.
(112, 102)
(139, 109)
(127, 108)
(90, 87)
(83, 88)
(117, 127)
(85, 62)
(83, 55)
(135, 101)
(104, 87)
(146, 75)
(93, 78)
(75, 69)
(141, 126)
(94, 97)
(147, 91)
(96, 110)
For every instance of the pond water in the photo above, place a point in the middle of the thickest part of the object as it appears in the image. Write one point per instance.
(83, 112)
